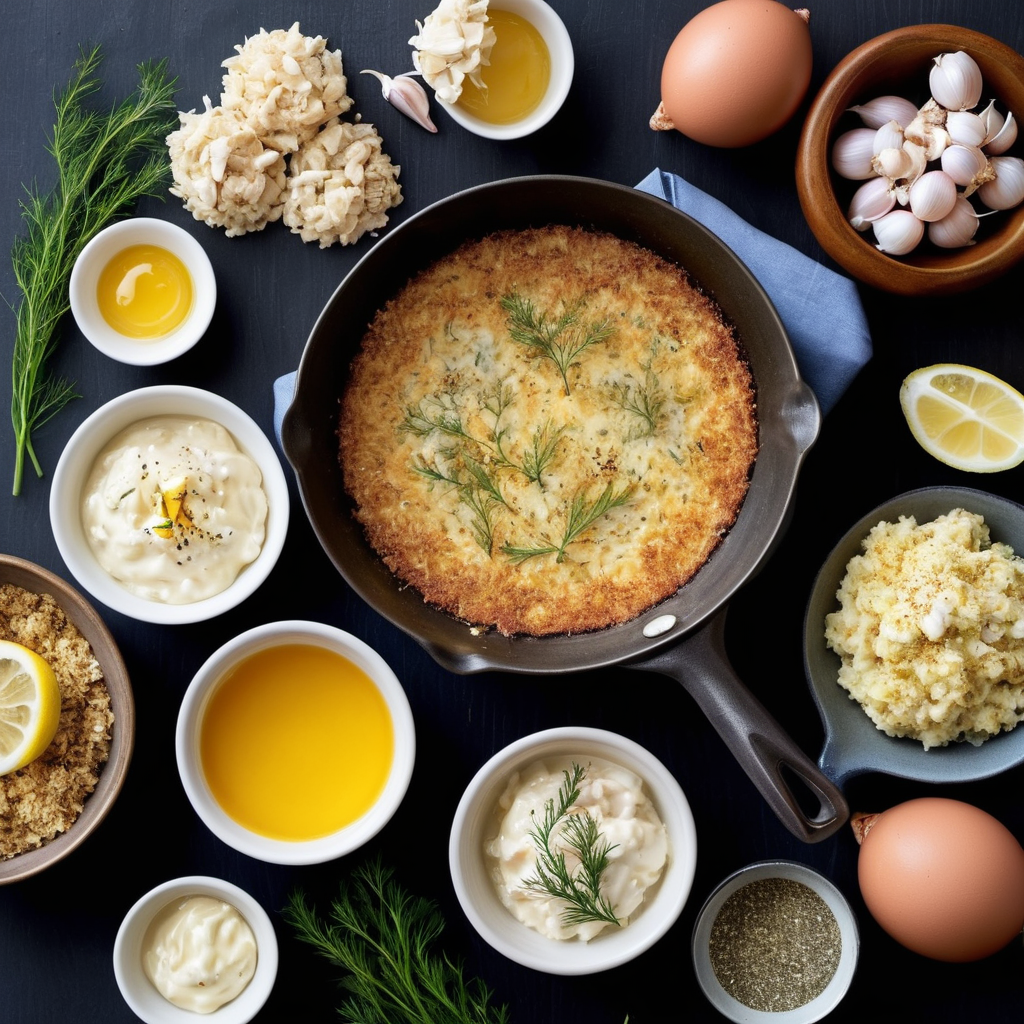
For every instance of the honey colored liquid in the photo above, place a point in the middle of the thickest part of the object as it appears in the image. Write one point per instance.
(517, 77)
(144, 292)
(296, 742)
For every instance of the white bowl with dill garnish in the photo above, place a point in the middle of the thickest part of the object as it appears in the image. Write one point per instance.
(775, 943)
(628, 822)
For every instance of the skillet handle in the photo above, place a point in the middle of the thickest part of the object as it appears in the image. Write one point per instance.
(701, 665)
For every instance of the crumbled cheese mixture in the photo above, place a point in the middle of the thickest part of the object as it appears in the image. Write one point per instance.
(275, 145)
(931, 630)
(46, 797)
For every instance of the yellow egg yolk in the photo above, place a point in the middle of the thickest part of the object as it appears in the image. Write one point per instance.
(296, 742)
(144, 292)
(517, 77)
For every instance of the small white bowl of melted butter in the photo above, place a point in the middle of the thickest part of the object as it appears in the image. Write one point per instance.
(196, 946)
(527, 79)
(616, 815)
(143, 291)
(169, 504)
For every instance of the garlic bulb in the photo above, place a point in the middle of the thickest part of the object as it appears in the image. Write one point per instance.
(404, 93)
(967, 166)
(852, 153)
(883, 109)
(1004, 138)
(898, 232)
(1006, 189)
(965, 128)
(932, 196)
(957, 228)
(874, 199)
(955, 81)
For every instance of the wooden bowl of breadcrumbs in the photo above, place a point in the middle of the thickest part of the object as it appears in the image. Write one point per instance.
(51, 806)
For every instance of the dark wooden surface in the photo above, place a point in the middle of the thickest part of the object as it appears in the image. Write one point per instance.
(57, 930)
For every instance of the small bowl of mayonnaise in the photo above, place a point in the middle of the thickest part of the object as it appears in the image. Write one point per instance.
(196, 945)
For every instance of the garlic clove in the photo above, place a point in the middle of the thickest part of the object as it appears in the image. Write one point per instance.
(962, 163)
(1004, 138)
(898, 232)
(932, 196)
(888, 136)
(874, 199)
(852, 152)
(957, 228)
(1006, 189)
(993, 121)
(928, 130)
(883, 109)
(955, 81)
(405, 94)
(892, 163)
(965, 128)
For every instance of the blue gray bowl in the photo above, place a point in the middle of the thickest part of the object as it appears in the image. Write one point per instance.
(853, 745)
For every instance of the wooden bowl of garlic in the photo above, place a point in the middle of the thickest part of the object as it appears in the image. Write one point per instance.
(908, 169)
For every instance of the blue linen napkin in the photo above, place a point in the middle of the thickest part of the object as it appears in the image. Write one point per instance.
(820, 309)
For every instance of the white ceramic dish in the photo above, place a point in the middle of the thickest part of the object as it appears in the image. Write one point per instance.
(556, 36)
(849, 936)
(98, 253)
(72, 472)
(138, 991)
(190, 717)
(474, 824)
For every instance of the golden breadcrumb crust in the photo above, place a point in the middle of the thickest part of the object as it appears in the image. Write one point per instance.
(548, 431)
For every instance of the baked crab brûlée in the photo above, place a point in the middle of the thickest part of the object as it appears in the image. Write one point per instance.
(548, 431)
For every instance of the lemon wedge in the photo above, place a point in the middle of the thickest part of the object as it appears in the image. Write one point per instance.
(965, 417)
(29, 706)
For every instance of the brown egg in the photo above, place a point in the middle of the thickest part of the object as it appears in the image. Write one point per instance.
(736, 72)
(943, 878)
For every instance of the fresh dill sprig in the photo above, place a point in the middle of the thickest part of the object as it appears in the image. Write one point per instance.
(644, 401)
(582, 515)
(580, 890)
(477, 491)
(561, 340)
(105, 162)
(381, 936)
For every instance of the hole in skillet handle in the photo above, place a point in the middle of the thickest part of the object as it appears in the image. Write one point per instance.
(772, 761)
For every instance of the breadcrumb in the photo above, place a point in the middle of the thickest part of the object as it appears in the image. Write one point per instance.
(45, 797)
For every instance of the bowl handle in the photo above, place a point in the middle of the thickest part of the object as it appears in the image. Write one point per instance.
(762, 748)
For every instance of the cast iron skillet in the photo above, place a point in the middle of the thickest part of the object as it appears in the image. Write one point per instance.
(788, 418)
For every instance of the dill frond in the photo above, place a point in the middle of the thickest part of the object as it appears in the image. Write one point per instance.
(580, 889)
(382, 937)
(105, 163)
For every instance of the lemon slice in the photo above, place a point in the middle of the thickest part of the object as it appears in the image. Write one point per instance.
(965, 417)
(29, 706)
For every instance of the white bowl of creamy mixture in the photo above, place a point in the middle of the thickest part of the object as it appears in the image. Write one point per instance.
(196, 946)
(338, 720)
(523, 82)
(169, 504)
(143, 291)
(573, 850)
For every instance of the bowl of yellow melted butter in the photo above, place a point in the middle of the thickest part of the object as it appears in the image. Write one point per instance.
(295, 743)
(528, 77)
(143, 291)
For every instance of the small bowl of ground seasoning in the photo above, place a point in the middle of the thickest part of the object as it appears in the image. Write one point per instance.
(775, 942)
